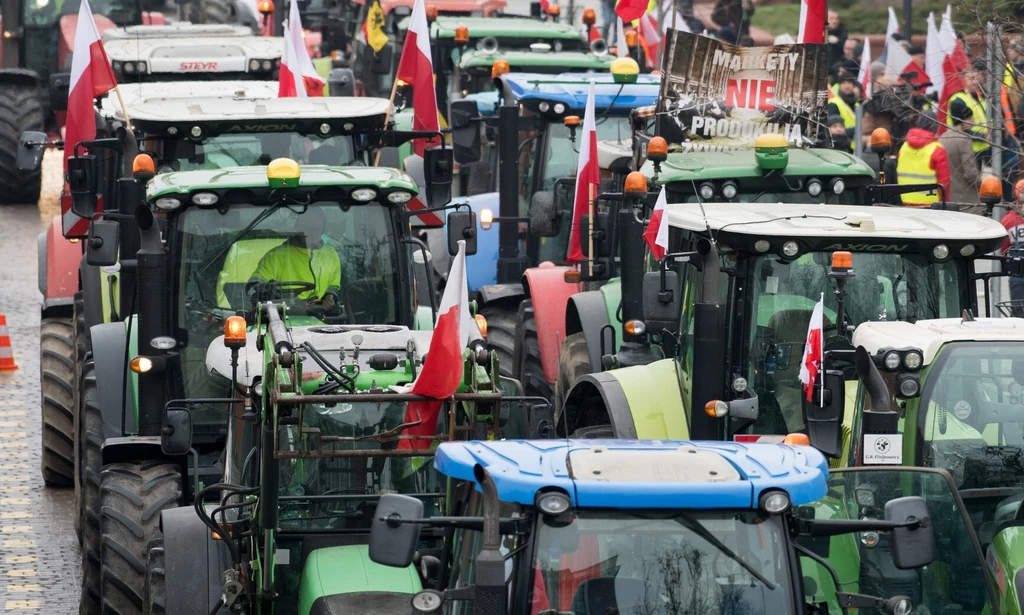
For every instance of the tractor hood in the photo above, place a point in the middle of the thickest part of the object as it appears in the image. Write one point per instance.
(329, 340)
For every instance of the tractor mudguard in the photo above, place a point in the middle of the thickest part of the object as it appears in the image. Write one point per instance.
(124, 449)
(546, 286)
(500, 293)
(92, 296)
(19, 77)
(597, 399)
(333, 577)
(108, 351)
(58, 268)
(193, 562)
(586, 313)
(1005, 561)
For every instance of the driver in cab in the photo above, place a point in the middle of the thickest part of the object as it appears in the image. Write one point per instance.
(303, 260)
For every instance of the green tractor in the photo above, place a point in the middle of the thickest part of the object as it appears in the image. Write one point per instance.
(205, 238)
(674, 527)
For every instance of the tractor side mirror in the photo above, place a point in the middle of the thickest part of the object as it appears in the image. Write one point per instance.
(824, 417)
(602, 241)
(393, 543)
(465, 131)
(176, 436)
(83, 183)
(662, 303)
(911, 547)
(31, 147)
(102, 245)
(341, 82)
(438, 166)
(59, 85)
(382, 61)
(462, 227)
(544, 218)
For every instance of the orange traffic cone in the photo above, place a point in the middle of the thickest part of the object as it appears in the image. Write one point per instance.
(7, 363)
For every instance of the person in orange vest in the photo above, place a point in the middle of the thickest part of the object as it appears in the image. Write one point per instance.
(922, 161)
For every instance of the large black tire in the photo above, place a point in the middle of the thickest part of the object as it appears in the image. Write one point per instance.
(573, 364)
(501, 335)
(20, 110)
(90, 438)
(132, 496)
(155, 587)
(529, 370)
(82, 348)
(57, 384)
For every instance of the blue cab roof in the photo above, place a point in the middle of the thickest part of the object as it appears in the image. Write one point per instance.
(571, 90)
(665, 476)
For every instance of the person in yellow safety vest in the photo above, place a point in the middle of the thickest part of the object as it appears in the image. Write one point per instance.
(922, 161)
(843, 101)
(303, 259)
(972, 80)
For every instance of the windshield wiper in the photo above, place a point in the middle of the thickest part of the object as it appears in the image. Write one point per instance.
(697, 528)
(263, 215)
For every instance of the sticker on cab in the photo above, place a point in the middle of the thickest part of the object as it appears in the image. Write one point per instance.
(883, 449)
(962, 410)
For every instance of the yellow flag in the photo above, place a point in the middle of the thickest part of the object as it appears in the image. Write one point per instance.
(374, 27)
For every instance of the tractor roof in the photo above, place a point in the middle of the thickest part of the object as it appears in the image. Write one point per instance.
(525, 60)
(503, 28)
(697, 166)
(572, 89)
(313, 175)
(444, 6)
(177, 117)
(638, 474)
(181, 29)
(200, 54)
(161, 91)
(930, 336)
(839, 227)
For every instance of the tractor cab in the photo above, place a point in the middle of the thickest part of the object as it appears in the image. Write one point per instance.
(584, 526)
(191, 52)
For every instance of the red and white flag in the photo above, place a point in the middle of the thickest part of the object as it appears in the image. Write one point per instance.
(656, 233)
(442, 369)
(650, 39)
(814, 349)
(892, 26)
(812, 22)
(864, 76)
(91, 76)
(588, 178)
(416, 67)
(297, 78)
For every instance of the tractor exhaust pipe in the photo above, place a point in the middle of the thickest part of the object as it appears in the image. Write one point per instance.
(152, 300)
(709, 373)
(878, 418)
(489, 597)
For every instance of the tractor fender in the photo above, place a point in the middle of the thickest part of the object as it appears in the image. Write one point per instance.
(19, 77)
(91, 280)
(586, 313)
(482, 267)
(58, 269)
(597, 399)
(499, 293)
(545, 285)
(193, 562)
(108, 351)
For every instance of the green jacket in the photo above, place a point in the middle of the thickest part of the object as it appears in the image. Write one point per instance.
(291, 263)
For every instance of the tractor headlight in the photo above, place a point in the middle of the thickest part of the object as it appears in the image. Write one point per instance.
(543, 107)
(729, 190)
(913, 360)
(552, 502)
(908, 385)
(163, 343)
(892, 361)
(814, 187)
(267, 64)
(940, 252)
(205, 199)
(837, 185)
(774, 502)
(363, 195)
(400, 196)
(168, 203)
(790, 249)
(707, 191)
(762, 245)
(254, 64)
(129, 68)
(559, 108)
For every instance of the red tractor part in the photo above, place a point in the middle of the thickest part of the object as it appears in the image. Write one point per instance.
(62, 259)
(549, 293)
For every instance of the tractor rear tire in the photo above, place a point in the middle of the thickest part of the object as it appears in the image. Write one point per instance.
(155, 587)
(20, 110)
(57, 380)
(82, 348)
(132, 496)
(90, 466)
(529, 370)
(501, 336)
(573, 364)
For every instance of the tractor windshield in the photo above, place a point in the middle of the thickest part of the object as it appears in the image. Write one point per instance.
(972, 410)
(49, 12)
(254, 149)
(783, 293)
(664, 563)
(955, 582)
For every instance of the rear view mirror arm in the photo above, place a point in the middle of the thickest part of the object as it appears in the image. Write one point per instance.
(430, 273)
(836, 527)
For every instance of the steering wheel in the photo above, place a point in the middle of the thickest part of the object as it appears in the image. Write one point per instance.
(267, 291)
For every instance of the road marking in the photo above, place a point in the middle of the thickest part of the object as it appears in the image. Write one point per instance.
(12, 454)
(13, 466)
(21, 559)
(17, 478)
(11, 413)
(15, 529)
(13, 444)
(19, 514)
(12, 435)
(12, 402)
(15, 501)
(22, 605)
(24, 587)
(14, 489)
(23, 572)
(6, 424)
(19, 544)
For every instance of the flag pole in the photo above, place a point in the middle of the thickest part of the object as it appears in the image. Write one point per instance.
(387, 117)
(124, 109)
(821, 368)
(590, 228)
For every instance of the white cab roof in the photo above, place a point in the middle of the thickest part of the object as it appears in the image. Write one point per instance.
(839, 221)
(181, 29)
(211, 54)
(214, 109)
(930, 335)
(135, 94)
(610, 151)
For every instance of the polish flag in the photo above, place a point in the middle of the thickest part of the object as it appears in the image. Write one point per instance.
(954, 61)
(297, 78)
(933, 56)
(631, 10)
(442, 369)
(416, 67)
(588, 178)
(656, 233)
(812, 22)
(897, 60)
(650, 39)
(864, 76)
(813, 350)
(91, 76)
(893, 25)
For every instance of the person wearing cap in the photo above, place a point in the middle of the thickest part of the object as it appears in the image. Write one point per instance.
(1013, 222)
(922, 160)
(843, 101)
(837, 130)
(964, 175)
(971, 96)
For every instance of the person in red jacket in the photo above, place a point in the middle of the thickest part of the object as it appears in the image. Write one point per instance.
(1013, 222)
(922, 160)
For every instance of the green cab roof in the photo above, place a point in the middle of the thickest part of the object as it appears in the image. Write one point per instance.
(694, 166)
(504, 27)
(186, 182)
(534, 61)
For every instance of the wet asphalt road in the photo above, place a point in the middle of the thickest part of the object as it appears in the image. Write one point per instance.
(39, 556)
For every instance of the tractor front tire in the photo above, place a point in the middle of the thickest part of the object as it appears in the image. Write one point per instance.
(501, 336)
(132, 496)
(155, 587)
(20, 110)
(90, 438)
(57, 383)
(529, 370)
(573, 364)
